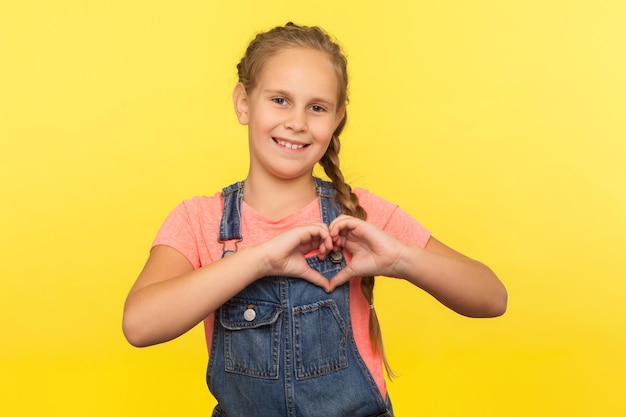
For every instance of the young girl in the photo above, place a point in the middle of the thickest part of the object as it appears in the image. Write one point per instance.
(280, 266)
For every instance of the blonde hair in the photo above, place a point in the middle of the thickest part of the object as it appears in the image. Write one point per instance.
(263, 47)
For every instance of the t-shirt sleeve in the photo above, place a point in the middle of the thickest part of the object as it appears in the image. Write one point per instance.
(392, 219)
(177, 232)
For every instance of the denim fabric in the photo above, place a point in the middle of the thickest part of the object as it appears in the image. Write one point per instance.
(284, 347)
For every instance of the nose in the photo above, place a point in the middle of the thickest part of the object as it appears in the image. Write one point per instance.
(296, 120)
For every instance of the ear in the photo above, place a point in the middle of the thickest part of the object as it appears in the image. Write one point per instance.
(341, 113)
(240, 100)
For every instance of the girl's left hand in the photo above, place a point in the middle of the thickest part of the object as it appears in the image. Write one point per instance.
(373, 251)
(460, 283)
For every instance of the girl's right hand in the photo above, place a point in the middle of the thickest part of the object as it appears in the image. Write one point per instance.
(170, 296)
(285, 253)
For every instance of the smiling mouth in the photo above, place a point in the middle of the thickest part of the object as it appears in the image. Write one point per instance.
(289, 145)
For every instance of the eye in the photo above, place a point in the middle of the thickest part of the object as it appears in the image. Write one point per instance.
(279, 100)
(318, 109)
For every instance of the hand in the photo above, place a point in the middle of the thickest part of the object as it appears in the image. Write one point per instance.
(285, 253)
(373, 251)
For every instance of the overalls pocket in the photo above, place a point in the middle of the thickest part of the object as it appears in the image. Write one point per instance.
(251, 337)
(320, 339)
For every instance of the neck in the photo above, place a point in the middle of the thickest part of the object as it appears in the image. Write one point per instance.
(276, 198)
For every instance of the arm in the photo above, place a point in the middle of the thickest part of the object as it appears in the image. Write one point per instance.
(170, 297)
(464, 285)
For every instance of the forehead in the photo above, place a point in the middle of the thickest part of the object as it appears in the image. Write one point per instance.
(300, 69)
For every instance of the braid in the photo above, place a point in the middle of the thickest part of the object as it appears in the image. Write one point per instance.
(350, 202)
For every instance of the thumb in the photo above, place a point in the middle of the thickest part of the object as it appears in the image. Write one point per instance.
(340, 278)
(316, 278)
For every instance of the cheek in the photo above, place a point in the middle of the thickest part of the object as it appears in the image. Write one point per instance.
(325, 130)
(265, 119)
(260, 124)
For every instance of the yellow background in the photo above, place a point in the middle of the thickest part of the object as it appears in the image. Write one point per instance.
(500, 125)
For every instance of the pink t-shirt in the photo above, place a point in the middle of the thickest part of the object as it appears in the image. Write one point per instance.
(192, 229)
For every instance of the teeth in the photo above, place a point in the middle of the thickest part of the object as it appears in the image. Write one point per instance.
(290, 145)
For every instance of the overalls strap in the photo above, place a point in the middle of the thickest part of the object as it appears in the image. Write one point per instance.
(329, 206)
(230, 224)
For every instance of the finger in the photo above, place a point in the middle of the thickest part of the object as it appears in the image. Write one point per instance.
(325, 247)
(315, 236)
(316, 278)
(322, 241)
(339, 242)
(337, 225)
(342, 230)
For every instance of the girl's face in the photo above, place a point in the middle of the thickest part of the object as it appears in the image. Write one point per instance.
(291, 113)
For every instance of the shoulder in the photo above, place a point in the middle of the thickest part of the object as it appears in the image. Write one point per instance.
(194, 213)
(202, 205)
(378, 209)
(366, 197)
(190, 226)
(392, 218)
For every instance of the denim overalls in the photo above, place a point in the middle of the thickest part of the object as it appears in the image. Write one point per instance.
(283, 346)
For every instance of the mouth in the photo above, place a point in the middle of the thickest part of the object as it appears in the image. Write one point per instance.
(289, 145)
